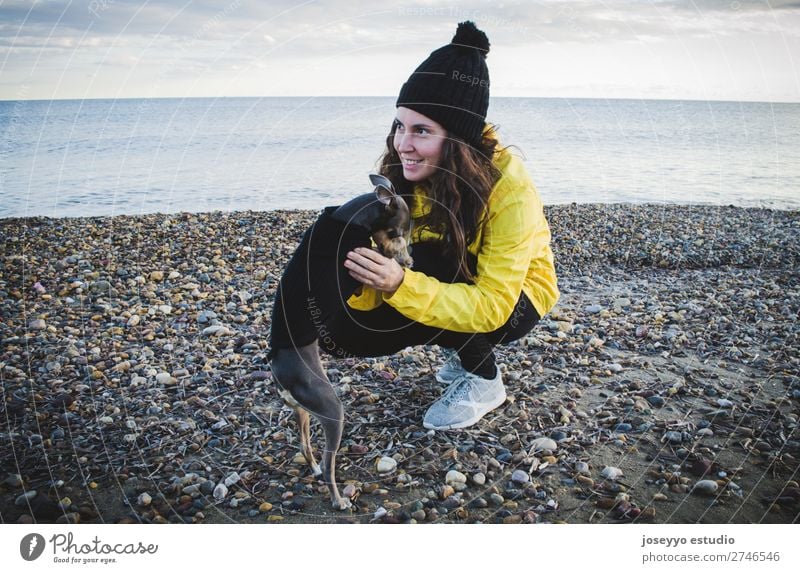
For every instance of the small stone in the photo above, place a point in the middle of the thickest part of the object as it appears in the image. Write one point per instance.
(265, 507)
(520, 476)
(386, 464)
(593, 309)
(26, 497)
(220, 492)
(453, 477)
(166, 379)
(648, 514)
(705, 487)
(217, 330)
(479, 479)
(144, 499)
(582, 468)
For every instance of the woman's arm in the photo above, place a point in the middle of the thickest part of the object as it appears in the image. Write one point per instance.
(516, 220)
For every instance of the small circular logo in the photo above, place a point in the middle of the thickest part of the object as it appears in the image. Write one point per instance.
(31, 546)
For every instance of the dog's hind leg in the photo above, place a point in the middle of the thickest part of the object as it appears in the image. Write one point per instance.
(304, 423)
(301, 375)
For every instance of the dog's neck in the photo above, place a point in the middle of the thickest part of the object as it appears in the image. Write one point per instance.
(364, 210)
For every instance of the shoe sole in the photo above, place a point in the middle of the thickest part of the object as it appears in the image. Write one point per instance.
(470, 422)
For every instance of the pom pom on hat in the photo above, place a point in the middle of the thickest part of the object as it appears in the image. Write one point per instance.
(468, 36)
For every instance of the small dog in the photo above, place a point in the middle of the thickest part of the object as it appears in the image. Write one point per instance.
(298, 371)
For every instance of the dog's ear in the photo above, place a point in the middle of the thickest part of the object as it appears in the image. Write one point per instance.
(384, 190)
(384, 195)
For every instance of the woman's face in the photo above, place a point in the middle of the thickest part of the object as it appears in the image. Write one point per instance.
(418, 141)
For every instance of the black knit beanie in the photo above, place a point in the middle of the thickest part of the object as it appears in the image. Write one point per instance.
(452, 86)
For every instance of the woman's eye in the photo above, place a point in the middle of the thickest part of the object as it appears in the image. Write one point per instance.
(422, 131)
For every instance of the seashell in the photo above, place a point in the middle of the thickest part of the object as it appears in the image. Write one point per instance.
(540, 444)
(380, 512)
(612, 473)
(220, 492)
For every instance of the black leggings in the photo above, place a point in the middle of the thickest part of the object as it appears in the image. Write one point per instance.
(311, 303)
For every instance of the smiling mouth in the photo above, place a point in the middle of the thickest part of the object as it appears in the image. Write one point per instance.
(412, 161)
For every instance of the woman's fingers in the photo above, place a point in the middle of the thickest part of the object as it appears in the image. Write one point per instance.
(373, 269)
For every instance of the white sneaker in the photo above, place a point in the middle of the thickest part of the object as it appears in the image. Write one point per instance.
(468, 399)
(451, 370)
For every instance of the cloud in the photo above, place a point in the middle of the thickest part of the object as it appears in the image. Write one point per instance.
(173, 41)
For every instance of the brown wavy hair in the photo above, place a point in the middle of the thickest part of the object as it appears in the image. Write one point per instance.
(458, 191)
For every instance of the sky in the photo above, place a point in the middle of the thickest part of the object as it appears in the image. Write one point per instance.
(739, 50)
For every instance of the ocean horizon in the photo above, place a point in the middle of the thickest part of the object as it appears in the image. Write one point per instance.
(105, 157)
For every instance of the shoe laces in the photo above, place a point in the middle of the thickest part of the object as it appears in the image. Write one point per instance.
(459, 388)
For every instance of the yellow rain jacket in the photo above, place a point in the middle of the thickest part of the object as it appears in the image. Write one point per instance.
(513, 255)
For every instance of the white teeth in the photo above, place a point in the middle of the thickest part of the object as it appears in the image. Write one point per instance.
(412, 161)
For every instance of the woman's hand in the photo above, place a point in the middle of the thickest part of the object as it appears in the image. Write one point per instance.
(372, 269)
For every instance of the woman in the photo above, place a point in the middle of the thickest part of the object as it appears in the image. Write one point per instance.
(483, 269)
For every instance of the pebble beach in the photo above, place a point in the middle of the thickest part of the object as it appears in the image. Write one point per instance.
(663, 388)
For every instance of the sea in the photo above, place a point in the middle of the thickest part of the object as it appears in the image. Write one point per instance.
(104, 157)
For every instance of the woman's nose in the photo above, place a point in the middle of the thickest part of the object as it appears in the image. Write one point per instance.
(404, 143)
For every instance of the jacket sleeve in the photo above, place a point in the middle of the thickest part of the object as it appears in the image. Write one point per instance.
(504, 256)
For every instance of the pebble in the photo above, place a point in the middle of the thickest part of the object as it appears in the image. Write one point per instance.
(123, 305)
(582, 468)
(520, 477)
(705, 487)
(386, 464)
(25, 498)
(455, 477)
